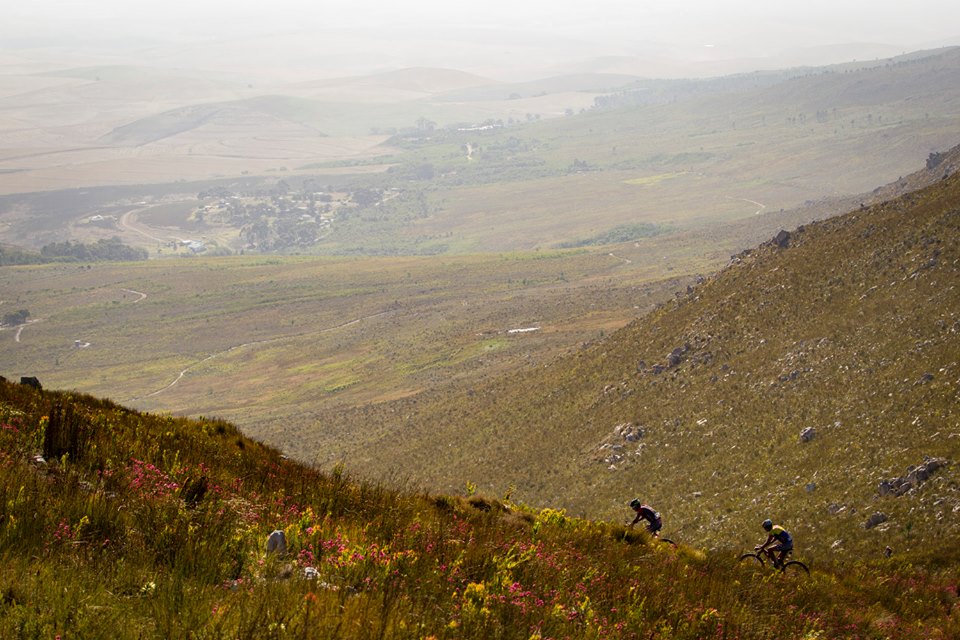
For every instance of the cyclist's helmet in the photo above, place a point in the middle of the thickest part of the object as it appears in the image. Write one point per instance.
(767, 524)
(635, 503)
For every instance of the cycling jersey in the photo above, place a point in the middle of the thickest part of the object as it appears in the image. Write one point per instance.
(782, 535)
(651, 516)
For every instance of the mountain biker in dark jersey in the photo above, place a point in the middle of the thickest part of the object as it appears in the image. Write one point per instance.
(645, 512)
(778, 540)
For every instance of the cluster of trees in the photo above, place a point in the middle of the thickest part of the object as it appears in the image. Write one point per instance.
(618, 234)
(13, 255)
(15, 318)
(68, 251)
(101, 250)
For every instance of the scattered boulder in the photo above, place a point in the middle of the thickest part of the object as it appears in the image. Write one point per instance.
(877, 517)
(808, 434)
(782, 239)
(277, 542)
(31, 381)
(811, 487)
(915, 476)
(629, 432)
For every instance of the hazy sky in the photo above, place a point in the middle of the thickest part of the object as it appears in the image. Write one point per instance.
(684, 28)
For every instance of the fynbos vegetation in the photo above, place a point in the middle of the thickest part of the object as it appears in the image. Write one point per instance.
(156, 527)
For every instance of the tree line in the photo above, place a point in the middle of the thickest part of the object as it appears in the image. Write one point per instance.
(102, 250)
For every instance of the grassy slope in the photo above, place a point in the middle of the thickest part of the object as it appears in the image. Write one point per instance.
(835, 332)
(139, 526)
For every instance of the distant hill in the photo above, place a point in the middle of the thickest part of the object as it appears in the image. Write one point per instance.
(847, 327)
(280, 116)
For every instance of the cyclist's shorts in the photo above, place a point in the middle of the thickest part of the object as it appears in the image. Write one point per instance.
(783, 547)
(653, 527)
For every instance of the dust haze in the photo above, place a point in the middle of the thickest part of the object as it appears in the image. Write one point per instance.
(507, 41)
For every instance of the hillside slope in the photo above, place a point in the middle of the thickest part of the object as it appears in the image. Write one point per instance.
(849, 328)
(117, 524)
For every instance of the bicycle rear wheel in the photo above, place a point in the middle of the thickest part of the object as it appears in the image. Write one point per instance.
(796, 568)
(668, 541)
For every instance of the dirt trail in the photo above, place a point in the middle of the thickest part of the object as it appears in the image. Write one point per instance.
(21, 327)
(754, 202)
(136, 293)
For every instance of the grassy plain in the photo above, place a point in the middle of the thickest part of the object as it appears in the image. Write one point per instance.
(265, 340)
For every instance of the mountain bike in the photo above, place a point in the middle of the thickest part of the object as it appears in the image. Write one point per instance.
(789, 567)
(665, 540)
(653, 536)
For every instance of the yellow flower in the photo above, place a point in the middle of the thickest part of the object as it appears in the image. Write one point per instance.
(475, 592)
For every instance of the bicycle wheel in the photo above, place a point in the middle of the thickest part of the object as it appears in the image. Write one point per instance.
(795, 568)
(752, 559)
(668, 541)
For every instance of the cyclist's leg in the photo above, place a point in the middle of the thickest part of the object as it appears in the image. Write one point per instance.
(784, 552)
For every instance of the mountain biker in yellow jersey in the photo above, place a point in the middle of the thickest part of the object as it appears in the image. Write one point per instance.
(779, 541)
(645, 512)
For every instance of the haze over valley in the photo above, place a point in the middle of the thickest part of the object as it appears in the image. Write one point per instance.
(524, 259)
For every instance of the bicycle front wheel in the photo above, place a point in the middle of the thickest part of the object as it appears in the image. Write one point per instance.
(795, 567)
(752, 559)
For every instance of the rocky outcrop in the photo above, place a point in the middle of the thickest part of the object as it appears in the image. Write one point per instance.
(914, 478)
(614, 447)
(876, 518)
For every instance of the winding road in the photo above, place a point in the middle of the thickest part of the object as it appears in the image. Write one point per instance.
(126, 224)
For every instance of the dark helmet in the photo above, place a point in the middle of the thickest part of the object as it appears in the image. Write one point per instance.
(635, 503)
(767, 524)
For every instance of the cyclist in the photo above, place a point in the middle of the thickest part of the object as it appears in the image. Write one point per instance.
(779, 541)
(646, 512)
